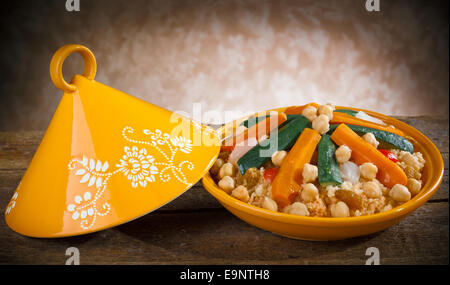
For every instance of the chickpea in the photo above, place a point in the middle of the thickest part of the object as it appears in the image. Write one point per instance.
(310, 172)
(331, 106)
(343, 154)
(411, 160)
(226, 170)
(278, 156)
(309, 192)
(347, 185)
(297, 208)
(370, 138)
(326, 110)
(371, 189)
(270, 204)
(400, 193)
(227, 184)
(386, 208)
(241, 193)
(216, 166)
(340, 210)
(321, 124)
(414, 186)
(368, 170)
(310, 112)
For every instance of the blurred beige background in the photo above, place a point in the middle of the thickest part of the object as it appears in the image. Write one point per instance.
(231, 55)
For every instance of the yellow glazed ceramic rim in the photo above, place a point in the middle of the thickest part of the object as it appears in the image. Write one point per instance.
(433, 173)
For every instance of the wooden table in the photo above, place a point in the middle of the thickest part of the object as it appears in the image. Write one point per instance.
(196, 229)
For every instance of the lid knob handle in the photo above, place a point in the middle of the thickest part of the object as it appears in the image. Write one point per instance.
(90, 66)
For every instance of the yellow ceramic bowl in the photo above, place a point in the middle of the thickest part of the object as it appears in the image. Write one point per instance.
(317, 228)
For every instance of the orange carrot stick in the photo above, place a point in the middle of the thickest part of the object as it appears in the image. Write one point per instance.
(256, 131)
(342, 118)
(389, 173)
(297, 110)
(287, 183)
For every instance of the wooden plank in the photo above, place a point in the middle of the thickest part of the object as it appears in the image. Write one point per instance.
(194, 198)
(10, 178)
(17, 148)
(435, 128)
(217, 237)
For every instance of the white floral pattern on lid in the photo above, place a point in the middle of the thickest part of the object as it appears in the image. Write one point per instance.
(184, 144)
(12, 203)
(79, 211)
(137, 165)
(91, 171)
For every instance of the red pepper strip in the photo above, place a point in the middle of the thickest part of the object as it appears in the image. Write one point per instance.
(226, 148)
(271, 173)
(389, 155)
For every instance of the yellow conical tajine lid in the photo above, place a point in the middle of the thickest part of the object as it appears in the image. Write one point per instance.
(105, 159)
